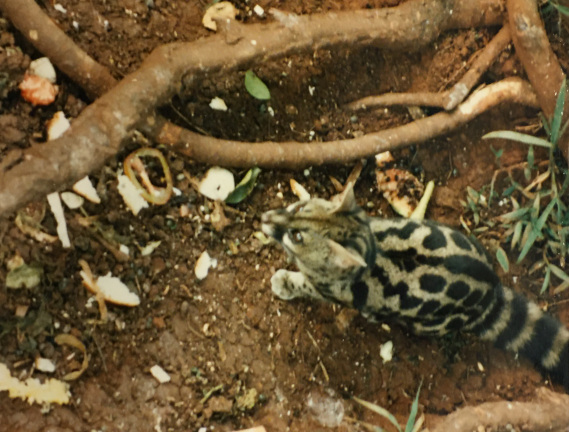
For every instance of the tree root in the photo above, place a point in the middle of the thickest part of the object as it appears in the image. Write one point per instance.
(295, 155)
(539, 60)
(548, 413)
(448, 99)
(99, 131)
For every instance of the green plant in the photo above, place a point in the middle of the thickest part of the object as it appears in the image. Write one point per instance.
(560, 8)
(542, 214)
(413, 424)
(256, 88)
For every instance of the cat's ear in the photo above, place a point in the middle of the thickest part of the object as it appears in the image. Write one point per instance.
(345, 258)
(346, 201)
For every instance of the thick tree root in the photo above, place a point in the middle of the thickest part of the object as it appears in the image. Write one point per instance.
(547, 413)
(539, 60)
(292, 155)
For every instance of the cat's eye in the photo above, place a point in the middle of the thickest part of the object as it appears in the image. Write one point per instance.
(295, 236)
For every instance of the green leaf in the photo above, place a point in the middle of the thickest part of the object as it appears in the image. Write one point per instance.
(497, 153)
(473, 193)
(413, 414)
(514, 215)
(379, 410)
(536, 230)
(543, 218)
(558, 113)
(509, 191)
(517, 234)
(256, 87)
(531, 238)
(503, 259)
(530, 157)
(561, 287)
(520, 137)
(545, 281)
(558, 272)
(244, 188)
(562, 9)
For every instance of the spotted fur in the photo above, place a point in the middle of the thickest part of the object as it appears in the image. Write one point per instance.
(427, 276)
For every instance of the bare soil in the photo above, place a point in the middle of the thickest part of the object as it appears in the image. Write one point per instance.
(237, 356)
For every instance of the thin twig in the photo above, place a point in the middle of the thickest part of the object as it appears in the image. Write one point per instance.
(448, 99)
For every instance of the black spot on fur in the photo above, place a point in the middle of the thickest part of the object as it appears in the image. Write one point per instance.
(490, 318)
(487, 299)
(430, 261)
(458, 290)
(404, 259)
(461, 241)
(432, 283)
(381, 275)
(445, 310)
(435, 240)
(406, 301)
(476, 269)
(402, 233)
(434, 322)
(360, 293)
(408, 259)
(409, 301)
(473, 298)
(516, 322)
(539, 345)
(429, 307)
(560, 373)
(455, 324)
(480, 249)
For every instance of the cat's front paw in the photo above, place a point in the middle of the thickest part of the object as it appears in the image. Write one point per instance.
(286, 284)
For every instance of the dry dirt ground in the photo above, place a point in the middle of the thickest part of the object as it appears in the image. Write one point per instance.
(237, 356)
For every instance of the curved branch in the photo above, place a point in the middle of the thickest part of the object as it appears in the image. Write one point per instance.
(448, 99)
(295, 155)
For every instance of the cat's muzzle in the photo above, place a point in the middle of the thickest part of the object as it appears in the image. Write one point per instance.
(274, 223)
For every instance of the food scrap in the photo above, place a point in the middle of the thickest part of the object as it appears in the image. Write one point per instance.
(32, 390)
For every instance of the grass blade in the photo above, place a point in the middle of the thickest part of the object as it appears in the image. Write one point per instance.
(413, 414)
(531, 238)
(536, 230)
(558, 113)
(514, 215)
(561, 287)
(543, 218)
(558, 272)
(562, 9)
(517, 234)
(545, 281)
(503, 259)
(378, 410)
(520, 137)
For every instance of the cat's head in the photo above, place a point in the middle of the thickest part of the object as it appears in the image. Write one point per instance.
(323, 237)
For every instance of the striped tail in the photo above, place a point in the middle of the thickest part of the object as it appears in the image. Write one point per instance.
(515, 324)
